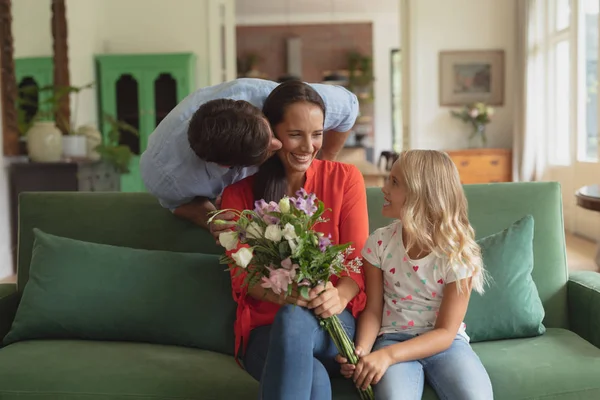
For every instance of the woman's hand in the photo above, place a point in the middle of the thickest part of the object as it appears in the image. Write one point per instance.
(294, 298)
(370, 368)
(260, 293)
(326, 301)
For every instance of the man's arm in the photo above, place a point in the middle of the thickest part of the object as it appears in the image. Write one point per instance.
(342, 110)
(197, 211)
(333, 142)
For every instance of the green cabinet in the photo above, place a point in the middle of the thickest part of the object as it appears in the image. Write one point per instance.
(141, 90)
(33, 72)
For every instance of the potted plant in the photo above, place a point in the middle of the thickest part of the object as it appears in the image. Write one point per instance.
(111, 151)
(478, 115)
(36, 121)
(360, 75)
(45, 143)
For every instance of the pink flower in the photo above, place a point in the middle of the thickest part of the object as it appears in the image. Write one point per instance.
(287, 264)
(279, 279)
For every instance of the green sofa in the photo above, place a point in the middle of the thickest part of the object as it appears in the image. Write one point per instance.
(562, 363)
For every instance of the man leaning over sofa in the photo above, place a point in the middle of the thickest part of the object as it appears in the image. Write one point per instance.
(189, 161)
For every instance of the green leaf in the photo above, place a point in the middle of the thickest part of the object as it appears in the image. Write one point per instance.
(119, 156)
(304, 291)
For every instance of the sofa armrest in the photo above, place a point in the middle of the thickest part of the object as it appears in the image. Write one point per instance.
(584, 305)
(9, 300)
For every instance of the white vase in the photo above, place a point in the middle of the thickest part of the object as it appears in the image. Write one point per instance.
(44, 142)
(74, 147)
(93, 139)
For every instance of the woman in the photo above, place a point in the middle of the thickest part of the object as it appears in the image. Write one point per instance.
(282, 343)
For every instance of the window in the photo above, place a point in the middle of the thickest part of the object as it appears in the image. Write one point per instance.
(563, 74)
(587, 149)
(560, 111)
(397, 127)
(562, 15)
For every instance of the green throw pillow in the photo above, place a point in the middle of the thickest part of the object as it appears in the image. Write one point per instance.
(81, 290)
(510, 307)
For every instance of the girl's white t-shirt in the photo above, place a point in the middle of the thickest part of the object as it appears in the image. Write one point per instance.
(413, 289)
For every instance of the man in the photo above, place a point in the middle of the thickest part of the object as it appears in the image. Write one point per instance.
(217, 136)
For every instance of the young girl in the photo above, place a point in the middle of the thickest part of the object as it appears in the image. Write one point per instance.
(419, 274)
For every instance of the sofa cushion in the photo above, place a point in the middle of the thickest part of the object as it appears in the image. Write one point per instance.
(556, 365)
(89, 370)
(511, 293)
(81, 290)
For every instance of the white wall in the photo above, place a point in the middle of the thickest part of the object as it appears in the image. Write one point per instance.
(83, 18)
(32, 33)
(6, 268)
(437, 25)
(383, 14)
(32, 37)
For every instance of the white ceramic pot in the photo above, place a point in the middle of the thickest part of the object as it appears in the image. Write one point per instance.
(44, 142)
(74, 146)
(93, 139)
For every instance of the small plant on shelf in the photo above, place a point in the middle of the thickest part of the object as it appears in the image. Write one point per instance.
(360, 75)
(30, 110)
(111, 150)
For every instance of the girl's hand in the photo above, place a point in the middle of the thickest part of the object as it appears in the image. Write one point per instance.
(371, 368)
(326, 301)
(347, 369)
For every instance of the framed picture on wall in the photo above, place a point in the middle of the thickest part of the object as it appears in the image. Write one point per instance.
(471, 76)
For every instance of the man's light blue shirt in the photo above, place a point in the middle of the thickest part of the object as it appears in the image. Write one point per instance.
(174, 174)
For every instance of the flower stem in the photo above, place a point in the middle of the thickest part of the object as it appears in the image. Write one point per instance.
(345, 347)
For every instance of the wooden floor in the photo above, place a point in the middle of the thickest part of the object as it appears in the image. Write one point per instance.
(10, 279)
(580, 256)
(581, 253)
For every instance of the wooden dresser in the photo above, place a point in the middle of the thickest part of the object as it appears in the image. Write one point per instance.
(483, 165)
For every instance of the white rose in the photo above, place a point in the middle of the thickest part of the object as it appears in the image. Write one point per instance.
(228, 239)
(289, 232)
(254, 231)
(284, 205)
(243, 257)
(293, 245)
(273, 233)
(490, 111)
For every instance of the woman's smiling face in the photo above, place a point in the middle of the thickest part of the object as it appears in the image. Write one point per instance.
(301, 135)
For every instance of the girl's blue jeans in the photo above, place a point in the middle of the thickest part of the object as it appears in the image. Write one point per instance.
(454, 374)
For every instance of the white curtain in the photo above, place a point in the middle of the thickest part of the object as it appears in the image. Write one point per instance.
(529, 140)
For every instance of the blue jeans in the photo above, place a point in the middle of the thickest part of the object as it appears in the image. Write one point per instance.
(293, 357)
(456, 373)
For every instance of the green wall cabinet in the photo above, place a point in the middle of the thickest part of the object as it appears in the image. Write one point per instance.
(141, 90)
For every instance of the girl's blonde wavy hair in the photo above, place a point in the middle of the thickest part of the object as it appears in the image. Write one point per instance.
(435, 213)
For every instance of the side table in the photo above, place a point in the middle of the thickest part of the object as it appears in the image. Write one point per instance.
(588, 197)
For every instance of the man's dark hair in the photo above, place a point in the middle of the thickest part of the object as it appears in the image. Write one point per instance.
(229, 132)
(270, 182)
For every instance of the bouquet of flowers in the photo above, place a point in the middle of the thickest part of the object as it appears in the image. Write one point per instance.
(478, 115)
(282, 250)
